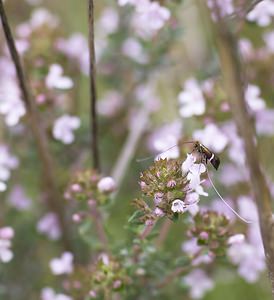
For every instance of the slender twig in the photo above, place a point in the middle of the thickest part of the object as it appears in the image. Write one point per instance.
(129, 148)
(53, 198)
(163, 232)
(232, 76)
(99, 226)
(93, 93)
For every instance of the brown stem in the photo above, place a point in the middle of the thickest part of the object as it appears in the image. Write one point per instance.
(54, 198)
(93, 94)
(178, 271)
(99, 226)
(233, 81)
(163, 232)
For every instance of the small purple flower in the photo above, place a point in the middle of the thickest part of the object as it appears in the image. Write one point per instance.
(48, 293)
(63, 128)
(262, 13)
(178, 206)
(199, 283)
(158, 212)
(76, 188)
(56, 80)
(49, 225)
(62, 265)
(171, 184)
(106, 185)
(236, 239)
(158, 197)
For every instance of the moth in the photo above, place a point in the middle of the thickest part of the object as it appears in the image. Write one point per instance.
(206, 154)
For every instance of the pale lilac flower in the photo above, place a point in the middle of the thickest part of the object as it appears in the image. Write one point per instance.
(269, 41)
(104, 258)
(253, 99)
(265, 122)
(18, 199)
(76, 48)
(6, 234)
(199, 283)
(133, 49)
(178, 206)
(48, 293)
(11, 104)
(232, 174)
(191, 99)
(212, 137)
(164, 140)
(62, 265)
(63, 128)
(219, 207)
(109, 21)
(246, 48)
(111, 104)
(149, 18)
(158, 197)
(106, 185)
(145, 94)
(225, 7)
(49, 226)
(8, 162)
(193, 176)
(158, 212)
(55, 78)
(247, 208)
(262, 13)
(42, 16)
(236, 146)
(236, 239)
(188, 163)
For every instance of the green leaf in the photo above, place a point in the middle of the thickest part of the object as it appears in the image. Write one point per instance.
(134, 219)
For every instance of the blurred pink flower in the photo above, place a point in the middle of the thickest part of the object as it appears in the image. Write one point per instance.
(6, 234)
(205, 136)
(232, 174)
(265, 122)
(189, 162)
(269, 41)
(253, 99)
(18, 199)
(63, 128)
(133, 49)
(246, 48)
(166, 137)
(49, 294)
(108, 21)
(225, 7)
(42, 16)
(62, 265)
(191, 99)
(8, 162)
(49, 226)
(56, 80)
(106, 185)
(178, 206)
(199, 283)
(236, 239)
(262, 13)
(11, 104)
(76, 48)
(111, 104)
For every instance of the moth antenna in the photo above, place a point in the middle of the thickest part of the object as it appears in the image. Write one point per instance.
(234, 211)
(152, 156)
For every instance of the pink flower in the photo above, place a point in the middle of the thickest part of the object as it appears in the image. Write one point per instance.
(109, 21)
(158, 212)
(6, 234)
(225, 7)
(158, 197)
(188, 163)
(232, 174)
(236, 239)
(49, 294)
(246, 48)
(199, 283)
(178, 206)
(111, 104)
(11, 104)
(262, 13)
(63, 128)
(265, 122)
(106, 185)
(56, 80)
(252, 97)
(164, 140)
(49, 225)
(18, 199)
(62, 265)
(216, 144)
(191, 99)
(133, 49)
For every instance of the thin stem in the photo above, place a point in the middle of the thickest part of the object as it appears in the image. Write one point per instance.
(53, 196)
(163, 232)
(99, 226)
(233, 81)
(93, 93)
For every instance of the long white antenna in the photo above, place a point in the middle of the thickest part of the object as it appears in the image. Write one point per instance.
(215, 189)
(152, 156)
